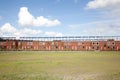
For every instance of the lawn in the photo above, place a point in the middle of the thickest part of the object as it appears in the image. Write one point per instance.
(59, 65)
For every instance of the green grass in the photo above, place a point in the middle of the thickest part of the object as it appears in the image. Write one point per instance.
(63, 65)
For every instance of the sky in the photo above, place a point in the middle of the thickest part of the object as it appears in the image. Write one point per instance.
(38, 18)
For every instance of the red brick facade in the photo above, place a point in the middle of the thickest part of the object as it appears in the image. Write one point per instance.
(59, 45)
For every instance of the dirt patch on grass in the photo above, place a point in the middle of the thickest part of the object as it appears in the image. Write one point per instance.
(79, 77)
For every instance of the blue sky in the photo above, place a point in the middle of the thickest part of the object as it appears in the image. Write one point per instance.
(59, 18)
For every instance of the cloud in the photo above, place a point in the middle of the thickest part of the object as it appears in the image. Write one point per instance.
(108, 8)
(27, 32)
(97, 4)
(104, 28)
(27, 19)
(106, 31)
(41, 21)
(54, 34)
(9, 31)
(114, 13)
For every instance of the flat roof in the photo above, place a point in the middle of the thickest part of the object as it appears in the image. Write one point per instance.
(66, 38)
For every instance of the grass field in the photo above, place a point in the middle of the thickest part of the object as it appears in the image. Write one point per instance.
(46, 65)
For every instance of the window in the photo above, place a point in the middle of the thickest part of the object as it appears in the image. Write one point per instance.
(97, 47)
(29, 43)
(104, 45)
(56, 43)
(19, 43)
(56, 47)
(52, 43)
(13, 43)
(82, 42)
(113, 43)
(12, 46)
(113, 47)
(108, 43)
(64, 46)
(97, 43)
(43, 43)
(83, 47)
(4, 47)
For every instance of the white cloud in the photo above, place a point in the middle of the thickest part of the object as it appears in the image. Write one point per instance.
(29, 32)
(41, 21)
(27, 19)
(100, 31)
(9, 31)
(114, 13)
(97, 4)
(54, 34)
(104, 28)
(109, 8)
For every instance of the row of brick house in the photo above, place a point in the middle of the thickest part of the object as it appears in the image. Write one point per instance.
(59, 45)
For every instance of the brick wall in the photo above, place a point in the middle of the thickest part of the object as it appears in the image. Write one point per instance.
(58, 45)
